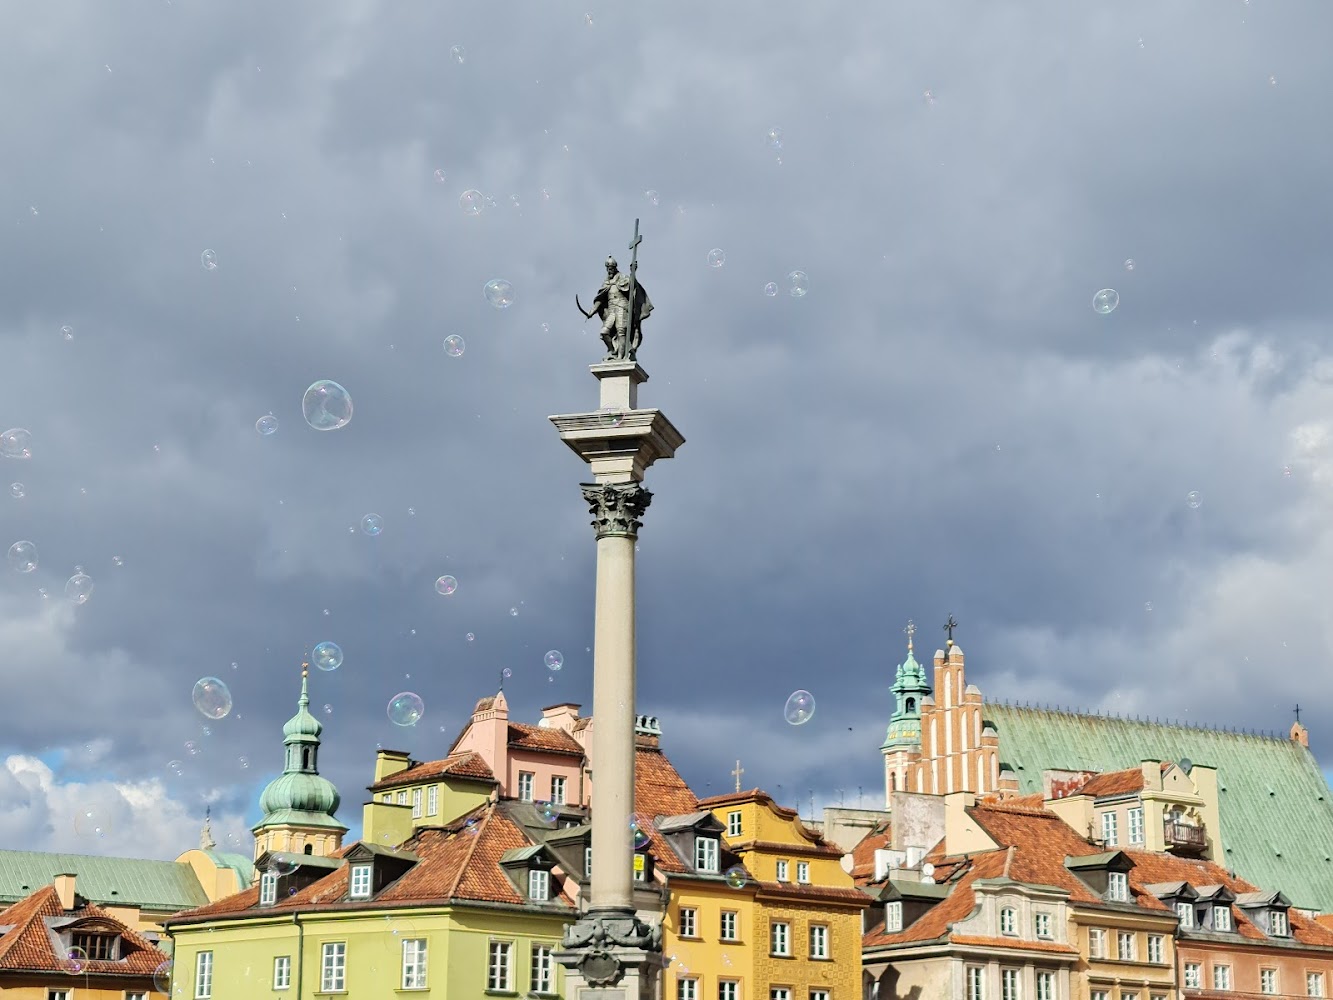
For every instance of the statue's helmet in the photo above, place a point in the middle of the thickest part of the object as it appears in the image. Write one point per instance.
(611, 264)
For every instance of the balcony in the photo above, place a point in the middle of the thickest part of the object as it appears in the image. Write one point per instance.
(1185, 838)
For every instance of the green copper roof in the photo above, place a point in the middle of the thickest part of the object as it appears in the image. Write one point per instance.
(302, 724)
(243, 866)
(299, 796)
(150, 885)
(909, 688)
(1276, 807)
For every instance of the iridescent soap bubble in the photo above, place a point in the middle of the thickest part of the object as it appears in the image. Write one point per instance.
(162, 977)
(471, 637)
(548, 812)
(89, 821)
(175, 768)
(554, 659)
(1193, 499)
(736, 877)
(327, 406)
(639, 835)
(267, 425)
(16, 443)
(79, 587)
(439, 176)
(67, 332)
(499, 293)
(800, 707)
(771, 289)
(1105, 301)
(513, 612)
(798, 284)
(446, 585)
(716, 257)
(1147, 605)
(208, 260)
(653, 197)
(327, 656)
(17, 491)
(1129, 264)
(406, 709)
(611, 416)
(117, 561)
(506, 673)
(372, 525)
(458, 54)
(72, 961)
(281, 866)
(773, 137)
(472, 201)
(454, 346)
(23, 556)
(328, 709)
(192, 748)
(472, 827)
(212, 697)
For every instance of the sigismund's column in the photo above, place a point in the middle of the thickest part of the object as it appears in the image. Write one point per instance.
(608, 952)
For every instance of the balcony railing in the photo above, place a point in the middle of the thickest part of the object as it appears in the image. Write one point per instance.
(1186, 835)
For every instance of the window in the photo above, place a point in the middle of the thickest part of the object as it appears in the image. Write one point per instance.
(1136, 826)
(1009, 985)
(819, 995)
(539, 885)
(734, 824)
(1100, 995)
(99, 947)
(687, 989)
(414, 964)
(416, 803)
(1041, 923)
(1277, 920)
(976, 983)
(1109, 828)
(1314, 984)
(1008, 920)
(557, 790)
(135, 995)
(402, 798)
(387, 797)
(803, 872)
(1185, 912)
(1221, 977)
(432, 800)
(1096, 943)
(587, 861)
(203, 976)
(779, 937)
(57, 995)
(543, 969)
(893, 916)
(1221, 918)
(818, 941)
(282, 972)
(360, 882)
(687, 922)
(1193, 976)
(728, 989)
(1117, 886)
(526, 780)
(333, 967)
(782, 871)
(1125, 949)
(500, 966)
(1268, 980)
(1156, 949)
(268, 888)
(729, 926)
(779, 993)
(705, 854)
(1045, 986)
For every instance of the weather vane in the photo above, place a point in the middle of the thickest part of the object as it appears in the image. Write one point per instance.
(911, 631)
(622, 305)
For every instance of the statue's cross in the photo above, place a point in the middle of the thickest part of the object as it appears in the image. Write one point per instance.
(911, 631)
(1298, 713)
(633, 280)
(949, 626)
(737, 775)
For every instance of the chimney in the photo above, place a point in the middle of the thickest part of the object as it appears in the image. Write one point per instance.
(562, 716)
(64, 884)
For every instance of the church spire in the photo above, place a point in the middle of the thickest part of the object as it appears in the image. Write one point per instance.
(909, 688)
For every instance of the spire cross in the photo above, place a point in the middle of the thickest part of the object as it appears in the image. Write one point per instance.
(1298, 714)
(737, 775)
(633, 283)
(911, 631)
(949, 626)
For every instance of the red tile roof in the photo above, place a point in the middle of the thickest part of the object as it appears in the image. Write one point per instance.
(659, 790)
(28, 948)
(1000, 942)
(463, 765)
(863, 854)
(543, 740)
(1113, 783)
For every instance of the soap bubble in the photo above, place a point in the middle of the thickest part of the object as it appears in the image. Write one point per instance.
(79, 587)
(472, 827)
(506, 673)
(454, 346)
(23, 556)
(472, 202)
(771, 289)
(406, 709)
(798, 283)
(471, 637)
(1193, 499)
(653, 197)
(1129, 264)
(16, 443)
(513, 612)
(611, 416)
(640, 836)
(716, 257)
(372, 525)
(548, 812)
(800, 707)
(328, 709)
(445, 586)
(327, 656)
(774, 138)
(73, 961)
(192, 748)
(212, 697)
(17, 491)
(175, 768)
(327, 406)
(266, 425)
(89, 821)
(208, 260)
(1105, 301)
(439, 176)
(67, 332)
(736, 877)
(499, 293)
(554, 659)
(162, 977)
(117, 560)
(458, 54)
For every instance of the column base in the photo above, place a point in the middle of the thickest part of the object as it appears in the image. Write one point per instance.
(611, 955)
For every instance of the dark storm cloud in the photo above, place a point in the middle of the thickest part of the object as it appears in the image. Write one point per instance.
(942, 424)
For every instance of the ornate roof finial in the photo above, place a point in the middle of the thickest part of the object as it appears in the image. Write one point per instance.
(911, 631)
(737, 775)
(949, 626)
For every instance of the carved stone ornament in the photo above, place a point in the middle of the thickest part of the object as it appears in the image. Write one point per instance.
(616, 507)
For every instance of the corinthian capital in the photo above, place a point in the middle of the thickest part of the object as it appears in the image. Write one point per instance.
(616, 507)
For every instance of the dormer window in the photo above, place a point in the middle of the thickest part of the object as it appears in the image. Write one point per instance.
(1185, 911)
(99, 947)
(360, 882)
(539, 885)
(1279, 925)
(268, 888)
(893, 916)
(1117, 887)
(705, 854)
(1221, 918)
(1008, 921)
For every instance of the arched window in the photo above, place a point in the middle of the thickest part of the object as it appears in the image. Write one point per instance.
(893, 782)
(911, 704)
(309, 848)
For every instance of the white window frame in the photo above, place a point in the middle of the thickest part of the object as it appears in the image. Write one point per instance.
(1280, 923)
(1045, 985)
(557, 789)
(706, 854)
(803, 873)
(587, 861)
(359, 881)
(387, 798)
(975, 982)
(55, 993)
(687, 988)
(539, 885)
(1100, 995)
(689, 922)
(203, 976)
(1268, 981)
(1008, 921)
(433, 800)
(268, 888)
(1135, 816)
(1185, 913)
(819, 995)
(734, 825)
(1096, 942)
(779, 938)
(1221, 977)
(1011, 984)
(402, 796)
(1156, 949)
(779, 993)
(1117, 887)
(500, 966)
(729, 929)
(527, 782)
(1193, 976)
(893, 916)
(1126, 946)
(728, 989)
(333, 967)
(543, 970)
(1222, 918)
(1314, 984)
(1041, 925)
(282, 972)
(1110, 831)
(782, 871)
(819, 941)
(135, 995)
(414, 964)
(416, 803)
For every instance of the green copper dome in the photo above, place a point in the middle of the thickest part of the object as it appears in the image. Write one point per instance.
(909, 688)
(300, 795)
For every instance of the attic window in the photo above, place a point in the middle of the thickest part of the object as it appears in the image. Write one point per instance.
(705, 854)
(268, 888)
(360, 882)
(1117, 887)
(539, 885)
(1278, 924)
(97, 947)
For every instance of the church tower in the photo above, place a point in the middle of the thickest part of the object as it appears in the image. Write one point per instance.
(299, 804)
(902, 744)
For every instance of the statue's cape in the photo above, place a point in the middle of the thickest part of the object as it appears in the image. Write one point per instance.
(641, 300)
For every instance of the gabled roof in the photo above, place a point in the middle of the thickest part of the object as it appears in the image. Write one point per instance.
(1171, 890)
(29, 945)
(1262, 898)
(459, 765)
(702, 818)
(150, 885)
(880, 838)
(1111, 783)
(543, 740)
(1282, 838)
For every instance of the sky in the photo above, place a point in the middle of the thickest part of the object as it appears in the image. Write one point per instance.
(1126, 511)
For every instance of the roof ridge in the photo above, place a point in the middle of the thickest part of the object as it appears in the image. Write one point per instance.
(1269, 735)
